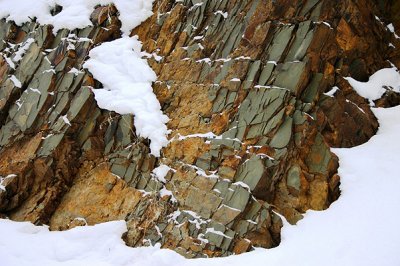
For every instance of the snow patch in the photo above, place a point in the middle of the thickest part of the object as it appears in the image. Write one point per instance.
(127, 80)
(383, 80)
(16, 81)
(332, 92)
(75, 14)
(161, 172)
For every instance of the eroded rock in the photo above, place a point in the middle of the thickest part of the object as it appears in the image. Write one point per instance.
(244, 84)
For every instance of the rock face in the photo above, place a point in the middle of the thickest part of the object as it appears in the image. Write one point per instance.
(244, 84)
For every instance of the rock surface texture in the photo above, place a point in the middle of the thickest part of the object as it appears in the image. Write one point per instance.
(256, 96)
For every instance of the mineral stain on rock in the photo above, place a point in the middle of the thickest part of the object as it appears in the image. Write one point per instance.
(243, 84)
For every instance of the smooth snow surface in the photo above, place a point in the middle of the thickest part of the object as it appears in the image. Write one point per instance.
(383, 80)
(127, 80)
(361, 228)
(75, 14)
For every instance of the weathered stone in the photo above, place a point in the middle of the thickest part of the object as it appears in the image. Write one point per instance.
(250, 125)
(283, 135)
(250, 172)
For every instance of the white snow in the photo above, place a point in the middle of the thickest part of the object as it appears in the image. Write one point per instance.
(8, 60)
(332, 92)
(242, 184)
(222, 13)
(374, 88)
(75, 71)
(165, 192)
(16, 81)
(127, 80)
(161, 172)
(391, 29)
(216, 232)
(75, 13)
(66, 120)
(35, 90)
(22, 49)
(99, 245)
(209, 135)
(2, 179)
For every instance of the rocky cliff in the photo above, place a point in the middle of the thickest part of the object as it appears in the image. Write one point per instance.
(256, 95)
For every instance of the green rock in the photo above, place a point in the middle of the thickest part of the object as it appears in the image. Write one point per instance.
(50, 144)
(319, 157)
(299, 118)
(293, 177)
(225, 214)
(251, 171)
(302, 41)
(283, 135)
(213, 236)
(310, 93)
(280, 41)
(289, 76)
(266, 73)
(238, 198)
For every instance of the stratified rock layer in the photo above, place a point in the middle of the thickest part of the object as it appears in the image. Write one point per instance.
(243, 83)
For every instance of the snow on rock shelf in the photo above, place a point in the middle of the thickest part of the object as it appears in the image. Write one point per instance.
(127, 80)
(74, 14)
(380, 82)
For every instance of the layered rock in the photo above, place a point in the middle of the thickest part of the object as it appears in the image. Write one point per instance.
(245, 85)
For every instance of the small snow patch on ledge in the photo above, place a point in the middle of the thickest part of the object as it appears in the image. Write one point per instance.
(380, 82)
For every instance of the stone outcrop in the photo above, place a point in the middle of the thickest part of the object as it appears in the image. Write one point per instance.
(245, 85)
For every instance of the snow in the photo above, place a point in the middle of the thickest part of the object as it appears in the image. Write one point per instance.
(66, 120)
(35, 90)
(127, 81)
(22, 50)
(242, 184)
(208, 135)
(161, 172)
(391, 29)
(75, 13)
(2, 179)
(16, 81)
(213, 231)
(332, 92)
(98, 245)
(374, 88)
(222, 13)
(165, 192)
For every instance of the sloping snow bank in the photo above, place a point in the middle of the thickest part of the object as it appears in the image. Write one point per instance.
(381, 81)
(127, 80)
(75, 14)
(361, 228)
(23, 244)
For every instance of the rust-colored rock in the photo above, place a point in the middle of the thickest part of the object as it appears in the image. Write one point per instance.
(245, 85)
